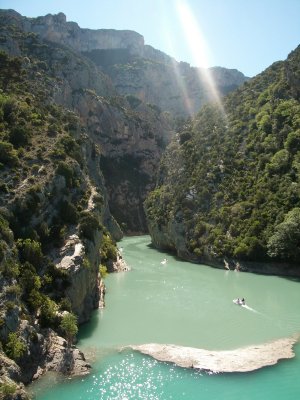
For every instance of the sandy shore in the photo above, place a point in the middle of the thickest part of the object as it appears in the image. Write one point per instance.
(245, 359)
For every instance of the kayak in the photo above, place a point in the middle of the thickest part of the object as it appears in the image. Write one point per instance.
(239, 302)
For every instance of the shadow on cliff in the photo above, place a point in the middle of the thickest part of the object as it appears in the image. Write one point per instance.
(86, 330)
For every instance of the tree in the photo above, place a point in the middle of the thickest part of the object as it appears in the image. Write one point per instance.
(30, 251)
(286, 239)
(69, 326)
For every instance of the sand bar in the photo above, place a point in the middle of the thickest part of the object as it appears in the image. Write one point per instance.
(244, 359)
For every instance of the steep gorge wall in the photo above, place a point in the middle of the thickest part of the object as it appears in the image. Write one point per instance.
(135, 68)
(228, 186)
(130, 139)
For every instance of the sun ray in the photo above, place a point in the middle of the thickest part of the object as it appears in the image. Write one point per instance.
(171, 46)
(199, 49)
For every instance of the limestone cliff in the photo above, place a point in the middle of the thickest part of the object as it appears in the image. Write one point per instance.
(55, 28)
(135, 68)
(130, 137)
(174, 87)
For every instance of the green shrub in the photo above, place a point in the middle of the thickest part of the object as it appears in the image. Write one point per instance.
(5, 232)
(292, 143)
(7, 390)
(8, 155)
(67, 171)
(9, 268)
(108, 250)
(48, 313)
(29, 279)
(86, 263)
(30, 251)
(69, 326)
(88, 224)
(103, 270)
(70, 147)
(15, 348)
(68, 212)
(19, 136)
(65, 305)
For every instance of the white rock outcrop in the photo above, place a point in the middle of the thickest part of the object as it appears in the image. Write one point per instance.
(245, 359)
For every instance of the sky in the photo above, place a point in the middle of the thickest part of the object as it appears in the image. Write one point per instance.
(248, 35)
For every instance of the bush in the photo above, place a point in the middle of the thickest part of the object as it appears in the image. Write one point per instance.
(71, 147)
(9, 268)
(7, 390)
(8, 155)
(69, 326)
(29, 279)
(65, 305)
(5, 232)
(68, 212)
(19, 136)
(103, 271)
(15, 348)
(48, 315)
(67, 171)
(88, 224)
(108, 249)
(30, 251)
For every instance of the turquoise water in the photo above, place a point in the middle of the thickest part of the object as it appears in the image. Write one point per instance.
(184, 304)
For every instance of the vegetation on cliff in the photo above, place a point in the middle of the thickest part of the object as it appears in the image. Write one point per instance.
(231, 178)
(48, 169)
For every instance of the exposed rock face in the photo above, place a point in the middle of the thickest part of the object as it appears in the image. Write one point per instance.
(48, 353)
(135, 68)
(55, 28)
(61, 358)
(174, 87)
(131, 143)
(240, 360)
(130, 138)
(10, 373)
(84, 280)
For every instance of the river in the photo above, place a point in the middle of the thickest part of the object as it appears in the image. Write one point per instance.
(185, 304)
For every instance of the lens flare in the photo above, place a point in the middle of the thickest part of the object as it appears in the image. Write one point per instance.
(199, 49)
(168, 36)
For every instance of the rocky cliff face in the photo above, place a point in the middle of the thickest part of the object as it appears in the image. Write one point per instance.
(130, 137)
(174, 87)
(135, 68)
(55, 28)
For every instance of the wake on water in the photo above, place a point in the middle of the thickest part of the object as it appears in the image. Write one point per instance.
(237, 301)
(250, 309)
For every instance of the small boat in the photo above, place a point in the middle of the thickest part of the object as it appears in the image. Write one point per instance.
(239, 302)
(164, 261)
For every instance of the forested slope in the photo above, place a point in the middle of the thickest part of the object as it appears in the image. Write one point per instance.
(228, 185)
